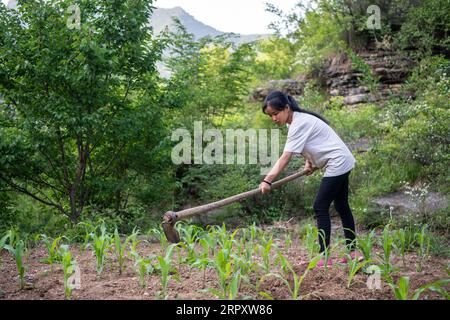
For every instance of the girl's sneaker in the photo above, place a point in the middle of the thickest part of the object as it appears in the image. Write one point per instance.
(321, 263)
(353, 255)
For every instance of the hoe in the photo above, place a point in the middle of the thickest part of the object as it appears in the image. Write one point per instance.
(170, 217)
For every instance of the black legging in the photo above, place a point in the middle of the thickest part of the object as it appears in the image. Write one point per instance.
(334, 189)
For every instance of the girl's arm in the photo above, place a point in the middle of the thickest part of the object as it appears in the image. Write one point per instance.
(275, 171)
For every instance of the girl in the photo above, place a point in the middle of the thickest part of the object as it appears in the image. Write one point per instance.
(310, 136)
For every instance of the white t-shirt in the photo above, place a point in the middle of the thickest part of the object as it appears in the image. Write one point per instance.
(317, 142)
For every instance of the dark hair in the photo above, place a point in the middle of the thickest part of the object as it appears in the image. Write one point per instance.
(278, 101)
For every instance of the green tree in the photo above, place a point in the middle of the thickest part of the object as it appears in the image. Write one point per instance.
(80, 100)
(210, 78)
(275, 58)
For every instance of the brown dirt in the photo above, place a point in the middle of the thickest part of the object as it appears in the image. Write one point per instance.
(46, 282)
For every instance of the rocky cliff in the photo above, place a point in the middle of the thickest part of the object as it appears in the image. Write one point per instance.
(341, 77)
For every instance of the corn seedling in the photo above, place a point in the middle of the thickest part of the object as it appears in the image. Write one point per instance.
(287, 241)
(252, 233)
(52, 249)
(210, 240)
(226, 242)
(203, 260)
(2, 245)
(161, 237)
(327, 250)
(202, 263)
(282, 262)
(244, 265)
(11, 237)
(164, 264)
(143, 266)
(265, 254)
(248, 250)
(69, 267)
(423, 240)
(224, 239)
(310, 240)
(354, 265)
(403, 240)
(221, 235)
(88, 230)
(365, 244)
(100, 244)
(402, 290)
(387, 249)
(294, 289)
(133, 239)
(229, 277)
(189, 236)
(17, 249)
(119, 247)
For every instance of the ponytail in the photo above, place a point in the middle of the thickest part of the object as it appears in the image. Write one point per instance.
(278, 101)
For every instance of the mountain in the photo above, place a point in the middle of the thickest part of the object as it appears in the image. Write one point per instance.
(162, 17)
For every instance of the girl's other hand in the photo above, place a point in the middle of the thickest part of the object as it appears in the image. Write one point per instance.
(264, 187)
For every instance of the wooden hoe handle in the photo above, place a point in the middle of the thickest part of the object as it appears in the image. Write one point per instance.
(183, 214)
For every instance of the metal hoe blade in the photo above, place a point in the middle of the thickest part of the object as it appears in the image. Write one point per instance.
(168, 225)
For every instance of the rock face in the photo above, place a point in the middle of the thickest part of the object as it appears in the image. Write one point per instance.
(400, 203)
(342, 79)
(288, 86)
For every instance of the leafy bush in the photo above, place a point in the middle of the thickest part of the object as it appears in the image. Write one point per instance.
(426, 28)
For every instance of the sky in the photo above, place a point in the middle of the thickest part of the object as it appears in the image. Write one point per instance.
(238, 16)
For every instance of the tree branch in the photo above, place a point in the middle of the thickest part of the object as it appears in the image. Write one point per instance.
(34, 196)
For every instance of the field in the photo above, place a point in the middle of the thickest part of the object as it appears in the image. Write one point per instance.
(271, 262)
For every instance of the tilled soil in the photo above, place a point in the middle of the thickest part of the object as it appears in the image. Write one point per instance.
(45, 281)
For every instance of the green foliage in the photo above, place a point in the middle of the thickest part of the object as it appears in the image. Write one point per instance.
(426, 28)
(352, 125)
(275, 59)
(368, 79)
(419, 131)
(209, 79)
(77, 121)
(316, 31)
